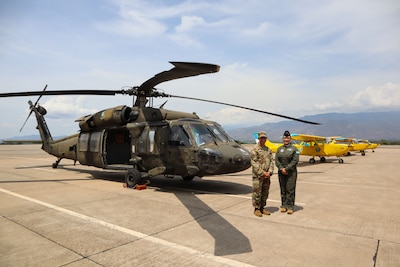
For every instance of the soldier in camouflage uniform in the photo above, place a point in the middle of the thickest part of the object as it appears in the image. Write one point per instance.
(286, 159)
(262, 164)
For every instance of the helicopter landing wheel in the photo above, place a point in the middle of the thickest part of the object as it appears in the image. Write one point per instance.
(341, 161)
(362, 153)
(312, 161)
(132, 178)
(188, 177)
(322, 159)
(55, 164)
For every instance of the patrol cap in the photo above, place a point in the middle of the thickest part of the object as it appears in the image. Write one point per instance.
(262, 134)
(286, 133)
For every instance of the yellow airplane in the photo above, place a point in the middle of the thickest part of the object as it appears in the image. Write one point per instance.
(353, 144)
(313, 145)
(371, 146)
(270, 145)
(273, 146)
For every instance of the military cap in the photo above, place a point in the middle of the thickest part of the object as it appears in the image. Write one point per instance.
(262, 134)
(286, 133)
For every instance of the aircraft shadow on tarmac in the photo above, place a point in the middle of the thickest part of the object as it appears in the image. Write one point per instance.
(228, 239)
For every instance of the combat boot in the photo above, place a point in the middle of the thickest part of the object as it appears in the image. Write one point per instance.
(266, 212)
(283, 209)
(290, 211)
(257, 213)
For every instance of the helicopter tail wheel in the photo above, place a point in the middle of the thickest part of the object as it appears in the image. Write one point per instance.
(132, 178)
(55, 164)
(312, 160)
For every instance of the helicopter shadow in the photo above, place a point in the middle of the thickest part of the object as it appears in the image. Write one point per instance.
(228, 239)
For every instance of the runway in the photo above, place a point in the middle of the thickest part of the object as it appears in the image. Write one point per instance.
(345, 215)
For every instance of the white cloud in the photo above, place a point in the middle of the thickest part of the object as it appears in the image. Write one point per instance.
(66, 107)
(189, 22)
(383, 97)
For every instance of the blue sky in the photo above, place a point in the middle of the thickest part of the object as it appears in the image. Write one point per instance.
(291, 57)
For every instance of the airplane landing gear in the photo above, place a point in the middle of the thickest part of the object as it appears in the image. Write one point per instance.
(362, 153)
(312, 161)
(341, 160)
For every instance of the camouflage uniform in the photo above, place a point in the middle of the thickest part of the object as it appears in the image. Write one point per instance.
(287, 157)
(261, 162)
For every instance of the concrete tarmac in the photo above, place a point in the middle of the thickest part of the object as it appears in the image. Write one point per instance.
(345, 215)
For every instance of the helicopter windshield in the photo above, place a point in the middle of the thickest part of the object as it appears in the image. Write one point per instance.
(179, 136)
(219, 132)
(202, 134)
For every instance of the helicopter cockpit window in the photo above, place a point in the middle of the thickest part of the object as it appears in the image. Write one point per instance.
(202, 134)
(178, 136)
(220, 133)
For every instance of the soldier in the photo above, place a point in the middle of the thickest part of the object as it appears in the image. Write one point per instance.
(262, 168)
(286, 159)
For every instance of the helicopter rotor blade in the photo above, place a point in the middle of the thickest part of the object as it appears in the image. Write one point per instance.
(37, 101)
(180, 70)
(64, 92)
(252, 109)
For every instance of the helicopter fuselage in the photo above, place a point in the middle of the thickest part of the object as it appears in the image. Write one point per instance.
(173, 143)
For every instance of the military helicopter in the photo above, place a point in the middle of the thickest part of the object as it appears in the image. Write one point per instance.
(147, 141)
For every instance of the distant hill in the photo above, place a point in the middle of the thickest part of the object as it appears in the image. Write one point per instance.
(367, 125)
(373, 126)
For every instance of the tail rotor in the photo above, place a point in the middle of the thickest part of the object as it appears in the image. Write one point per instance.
(32, 107)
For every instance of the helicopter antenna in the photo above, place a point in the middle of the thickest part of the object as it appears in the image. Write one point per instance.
(163, 104)
(31, 106)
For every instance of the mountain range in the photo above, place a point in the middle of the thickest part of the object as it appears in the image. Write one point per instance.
(366, 125)
(374, 126)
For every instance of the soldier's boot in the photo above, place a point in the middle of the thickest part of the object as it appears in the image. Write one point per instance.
(290, 211)
(265, 212)
(258, 213)
(283, 209)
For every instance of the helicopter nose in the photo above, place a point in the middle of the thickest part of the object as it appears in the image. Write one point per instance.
(236, 158)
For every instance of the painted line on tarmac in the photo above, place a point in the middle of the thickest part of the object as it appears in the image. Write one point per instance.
(46, 170)
(139, 235)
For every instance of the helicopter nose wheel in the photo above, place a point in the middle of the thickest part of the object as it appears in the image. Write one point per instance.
(132, 178)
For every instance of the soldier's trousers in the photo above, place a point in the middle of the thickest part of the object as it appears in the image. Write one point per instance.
(288, 189)
(260, 191)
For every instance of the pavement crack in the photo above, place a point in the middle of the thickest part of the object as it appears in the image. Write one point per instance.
(376, 252)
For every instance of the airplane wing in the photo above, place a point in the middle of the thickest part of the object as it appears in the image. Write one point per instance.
(308, 138)
(273, 146)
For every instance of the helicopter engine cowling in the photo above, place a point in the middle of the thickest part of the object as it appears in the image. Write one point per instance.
(113, 116)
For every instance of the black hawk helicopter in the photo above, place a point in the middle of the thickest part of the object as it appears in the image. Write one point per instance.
(147, 141)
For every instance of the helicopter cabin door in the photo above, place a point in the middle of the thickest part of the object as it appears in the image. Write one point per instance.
(90, 148)
(149, 145)
(117, 147)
